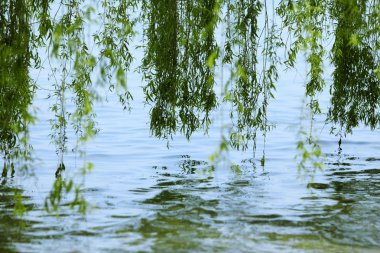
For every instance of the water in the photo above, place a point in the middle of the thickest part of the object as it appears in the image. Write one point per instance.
(147, 198)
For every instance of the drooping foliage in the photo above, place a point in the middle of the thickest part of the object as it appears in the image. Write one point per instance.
(16, 90)
(252, 60)
(308, 27)
(190, 49)
(355, 56)
(352, 26)
(178, 64)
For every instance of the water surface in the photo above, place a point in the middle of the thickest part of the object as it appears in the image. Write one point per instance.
(147, 198)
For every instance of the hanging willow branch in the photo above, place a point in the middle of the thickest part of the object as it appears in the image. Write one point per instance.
(16, 92)
(356, 88)
(178, 64)
(252, 76)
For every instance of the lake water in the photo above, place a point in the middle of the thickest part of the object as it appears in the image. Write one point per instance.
(147, 198)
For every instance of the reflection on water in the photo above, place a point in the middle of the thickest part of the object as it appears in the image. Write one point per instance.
(11, 227)
(180, 208)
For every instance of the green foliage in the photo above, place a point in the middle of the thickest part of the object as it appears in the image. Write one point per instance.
(252, 80)
(309, 153)
(356, 88)
(307, 24)
(16, 91)
(178, 64)
(246, 90)
(60, 188)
